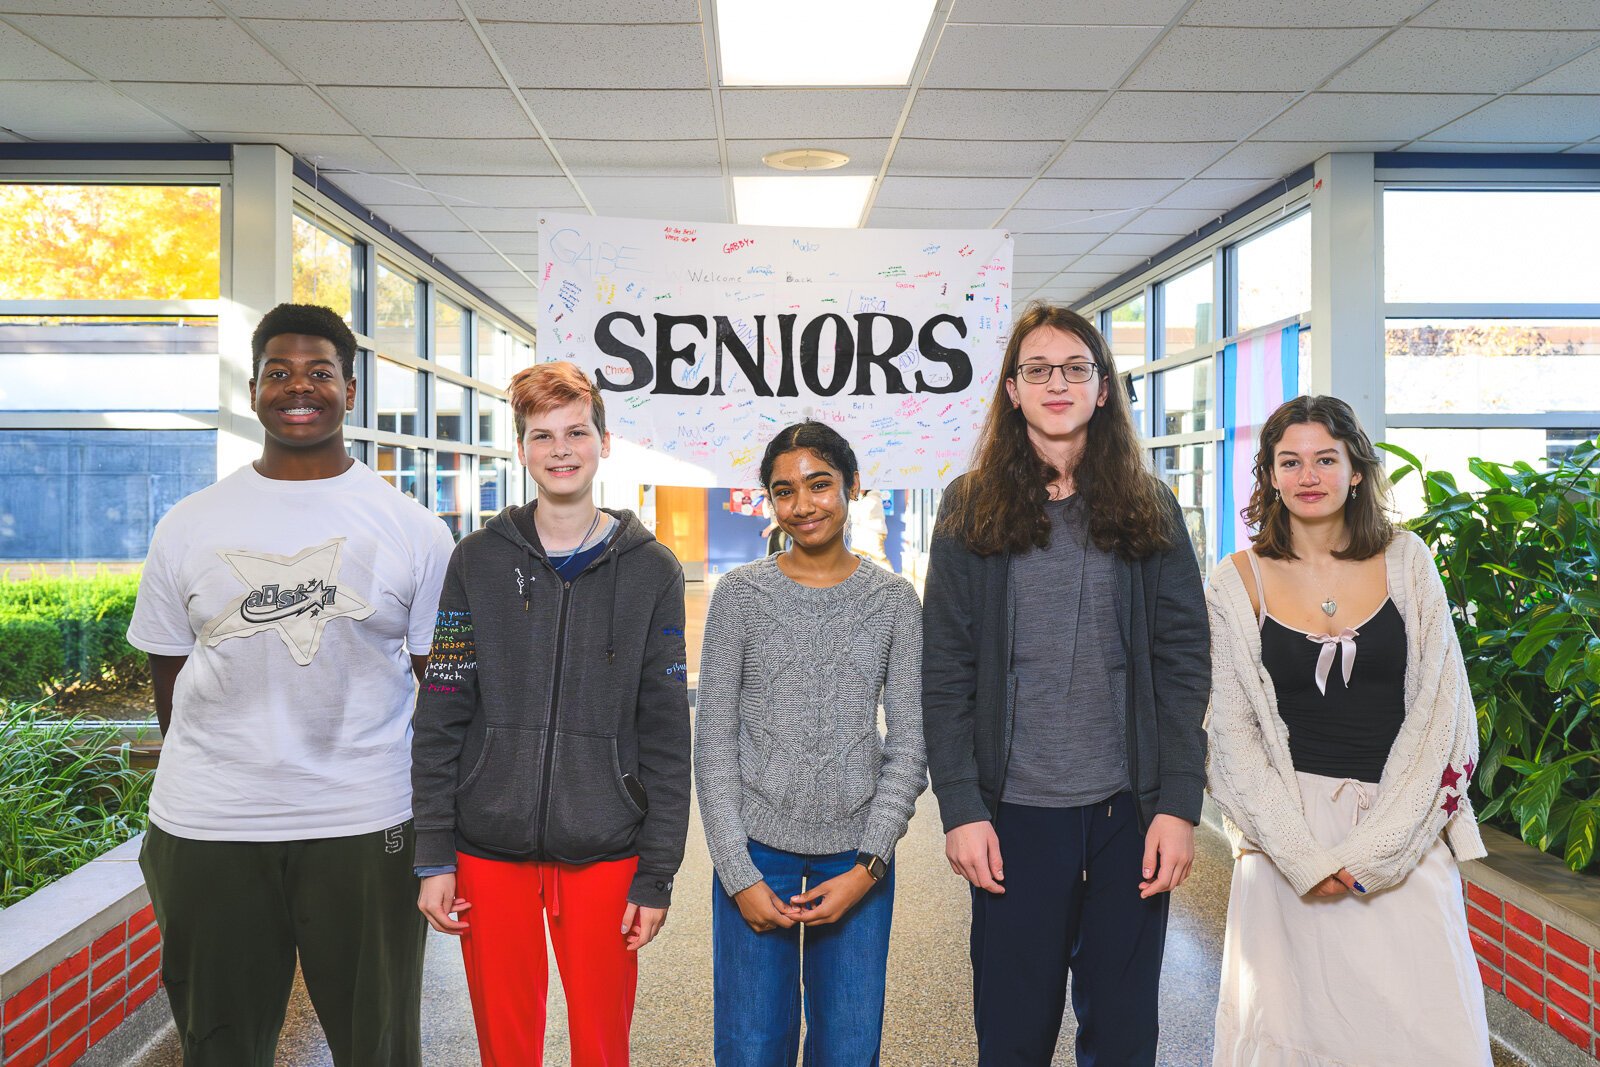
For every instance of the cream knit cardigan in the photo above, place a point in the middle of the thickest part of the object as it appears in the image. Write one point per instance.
(1251, 776)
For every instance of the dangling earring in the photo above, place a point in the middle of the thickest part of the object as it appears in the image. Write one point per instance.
(1355, 491)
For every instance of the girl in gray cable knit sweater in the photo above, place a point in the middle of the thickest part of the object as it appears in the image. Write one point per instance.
(802, 799)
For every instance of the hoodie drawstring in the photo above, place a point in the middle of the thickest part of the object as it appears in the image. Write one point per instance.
(527, 586)
(611, 622)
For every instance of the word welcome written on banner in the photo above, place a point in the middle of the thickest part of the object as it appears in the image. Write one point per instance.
(707, 339)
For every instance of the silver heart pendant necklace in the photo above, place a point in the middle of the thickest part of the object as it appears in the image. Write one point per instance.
(1330, 606)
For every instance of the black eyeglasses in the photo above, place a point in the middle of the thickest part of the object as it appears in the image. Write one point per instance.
(1039, 373)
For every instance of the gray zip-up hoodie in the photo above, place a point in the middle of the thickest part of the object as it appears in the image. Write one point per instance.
(553, 720)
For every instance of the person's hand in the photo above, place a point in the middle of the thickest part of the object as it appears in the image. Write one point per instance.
(763, 911)
(437, 900)
(1168, 855)
(1336, 885)
(973, 850)
(640, 925)
(827, 902)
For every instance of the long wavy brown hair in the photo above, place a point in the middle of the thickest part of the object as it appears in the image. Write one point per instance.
(999, 506)
(1366, 515)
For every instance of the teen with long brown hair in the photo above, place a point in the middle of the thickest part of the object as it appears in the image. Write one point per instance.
(1343, 735)
(1061, 587)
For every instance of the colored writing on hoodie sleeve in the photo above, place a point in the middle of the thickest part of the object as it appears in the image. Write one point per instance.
(454, 653)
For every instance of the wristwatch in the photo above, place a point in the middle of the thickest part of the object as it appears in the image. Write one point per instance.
(875, 866)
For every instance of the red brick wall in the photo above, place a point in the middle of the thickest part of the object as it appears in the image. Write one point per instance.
(1539, 967)
(55, 1018)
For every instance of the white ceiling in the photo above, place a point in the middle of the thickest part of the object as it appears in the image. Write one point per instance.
(1097, 131)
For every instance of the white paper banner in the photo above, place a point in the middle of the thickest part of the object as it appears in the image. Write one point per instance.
(708, 339)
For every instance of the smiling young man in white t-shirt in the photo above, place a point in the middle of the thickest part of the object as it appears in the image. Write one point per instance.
(287, 610)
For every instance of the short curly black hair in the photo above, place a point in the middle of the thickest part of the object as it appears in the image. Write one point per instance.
(313, 320)
(829, 445)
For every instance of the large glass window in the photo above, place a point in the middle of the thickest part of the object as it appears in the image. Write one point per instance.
(1127, 333)
(449, 346)
(108, 363)
(1190, 470)
(1492, 365)
(494, 354)
(325, 269)
(1186, 303)
(493, 486)
(450, 407)
(399, 398)
(449, 489)
(1491, 246)
(110, 242)
(1450, 449)
(1274, 273)
(1188, 395)
(398, 466)
(396, 328)
(494, 422)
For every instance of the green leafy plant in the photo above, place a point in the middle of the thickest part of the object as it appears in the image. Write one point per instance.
(1520, 561)
(65, 631)
(67, 794)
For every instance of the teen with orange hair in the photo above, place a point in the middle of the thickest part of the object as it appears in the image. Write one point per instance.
(551, 763)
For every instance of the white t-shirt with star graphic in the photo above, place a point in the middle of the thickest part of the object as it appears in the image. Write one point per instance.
(298, 604)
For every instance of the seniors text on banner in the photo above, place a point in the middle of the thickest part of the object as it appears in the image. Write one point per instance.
(706, 339)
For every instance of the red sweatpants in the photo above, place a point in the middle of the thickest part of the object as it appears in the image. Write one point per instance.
(507, 972)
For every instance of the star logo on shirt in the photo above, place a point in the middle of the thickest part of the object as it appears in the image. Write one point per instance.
(1451, 803)
(295, 596)
(1449, 779)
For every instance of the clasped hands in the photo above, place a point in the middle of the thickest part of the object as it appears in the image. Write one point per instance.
(824, 903)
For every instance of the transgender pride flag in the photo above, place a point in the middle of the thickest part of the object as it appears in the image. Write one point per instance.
(1258, 374)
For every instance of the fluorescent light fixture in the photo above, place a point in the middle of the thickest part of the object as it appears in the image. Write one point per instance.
(820, 42)
(808, 200)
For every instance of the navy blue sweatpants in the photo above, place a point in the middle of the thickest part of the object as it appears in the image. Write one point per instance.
(1071, 906)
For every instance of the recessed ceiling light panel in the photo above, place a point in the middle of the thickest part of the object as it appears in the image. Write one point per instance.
(805, 159)
(820, 42)
(834, 201)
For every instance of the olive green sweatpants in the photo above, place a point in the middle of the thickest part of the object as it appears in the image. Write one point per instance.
(235, 914)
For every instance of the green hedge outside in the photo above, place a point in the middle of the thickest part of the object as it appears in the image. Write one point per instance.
(66, 631)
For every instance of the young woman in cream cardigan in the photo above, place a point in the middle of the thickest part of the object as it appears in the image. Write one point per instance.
(1343, 735)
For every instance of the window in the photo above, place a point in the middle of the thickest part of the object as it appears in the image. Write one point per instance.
(449, 345)
(450, 406)
(108, 363)
(1450, 449)
(494, 354)
(1186, 303)
(448, 490)
(493, 483)
(324, 267)
(1191, 472)
(494, 422)
(1491, 246)
(1274, 273)
(396, 329)
(1126, 333)
(1492, 365)
(399, 398)
(110, 242)
(1187, 397)
(398, 467)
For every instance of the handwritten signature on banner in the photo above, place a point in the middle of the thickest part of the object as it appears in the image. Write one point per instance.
(706, 338)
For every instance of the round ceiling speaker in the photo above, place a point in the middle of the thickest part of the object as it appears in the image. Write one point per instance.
(805, 159)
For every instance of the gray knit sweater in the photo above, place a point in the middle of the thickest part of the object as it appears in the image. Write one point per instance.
(786, 743)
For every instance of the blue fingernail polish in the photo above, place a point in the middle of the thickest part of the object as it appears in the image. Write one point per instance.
(1360, 888)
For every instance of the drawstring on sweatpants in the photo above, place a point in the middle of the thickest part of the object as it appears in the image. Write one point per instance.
(1363, 801)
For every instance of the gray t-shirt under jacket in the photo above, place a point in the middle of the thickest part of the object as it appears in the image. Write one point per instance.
(1069, 740)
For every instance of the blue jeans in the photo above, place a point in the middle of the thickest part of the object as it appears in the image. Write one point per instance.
(757, 978)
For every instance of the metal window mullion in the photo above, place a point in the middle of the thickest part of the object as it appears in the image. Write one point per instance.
(1497, 420)
(108, 420)
(197, 309)
(1435, 310)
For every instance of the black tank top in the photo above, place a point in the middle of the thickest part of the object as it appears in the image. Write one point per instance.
(1347, 731)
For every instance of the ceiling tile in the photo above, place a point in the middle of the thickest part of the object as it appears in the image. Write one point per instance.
(1220, 194)
(450, 242)
(481, 261)
(1277, 159)
(641, 115)
(999, 114)
(1034, 265)
(960, 158)
(1178, 223)
(1459, 61)
(508, 293)
(1023, 283)
(514, 242)
(1076, 13)
(601, 57)
(381, 53)
(1054, 244)
(501, 190)
(499, 279)
(419, 217)
(274, 108)
(1076, 220)
(1096, 193)
(153, 49)
(410, 112)
(1528, 118)
(1132, 159)
(1036, 57)
(357, 10)
(697, 158)
(1135, 244)
(140, 8)
(492, 155)
(9, 138)
(1367, 116)
(1301, 12)
(1533, 147)
(932, 218)
(1585, 149)
(811, 113)
(1523, 15)
(670, 199)
(69, 111)
(1248, 60)
(324, 151)
(1183, 116)
(381, 191)
(614, 11)
(513, 218)
(976, 193)
(24, 59)
(1581, 75)
(866, 155)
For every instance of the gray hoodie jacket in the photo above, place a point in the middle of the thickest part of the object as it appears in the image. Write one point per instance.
(553, 720)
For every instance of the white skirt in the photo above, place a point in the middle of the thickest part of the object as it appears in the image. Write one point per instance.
(1377, 980)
